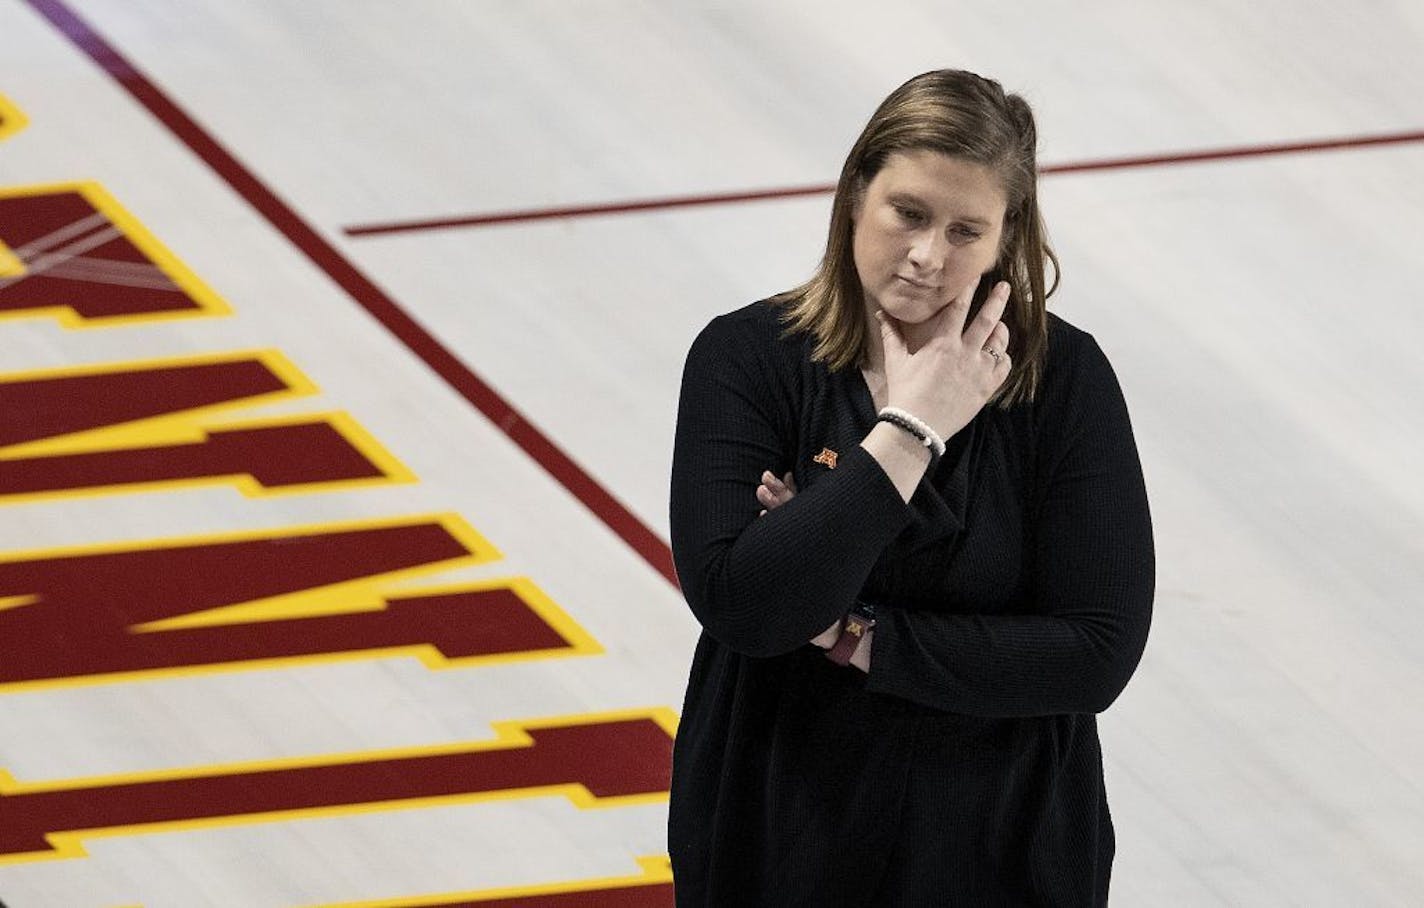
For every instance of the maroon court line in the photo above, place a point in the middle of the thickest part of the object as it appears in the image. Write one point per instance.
(544, 214)
(687, 201)
(364, 291)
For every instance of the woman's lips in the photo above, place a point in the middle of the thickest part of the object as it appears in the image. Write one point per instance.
(918, 285)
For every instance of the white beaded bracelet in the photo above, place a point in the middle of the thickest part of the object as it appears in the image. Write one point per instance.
(915, 426)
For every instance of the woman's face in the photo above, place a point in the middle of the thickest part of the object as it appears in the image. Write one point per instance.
(926, 226)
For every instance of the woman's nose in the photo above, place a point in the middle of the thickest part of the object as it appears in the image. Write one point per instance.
(927, 250)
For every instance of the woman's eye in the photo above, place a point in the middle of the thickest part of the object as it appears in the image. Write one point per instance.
(909, 214)
(965, 233)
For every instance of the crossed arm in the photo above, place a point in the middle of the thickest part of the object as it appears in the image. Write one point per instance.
(773, 493)
(765, 584)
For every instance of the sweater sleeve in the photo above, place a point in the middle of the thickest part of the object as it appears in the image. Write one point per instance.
(1092, 580)
(765, 585)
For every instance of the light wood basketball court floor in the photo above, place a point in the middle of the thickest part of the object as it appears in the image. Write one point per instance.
(341, 342)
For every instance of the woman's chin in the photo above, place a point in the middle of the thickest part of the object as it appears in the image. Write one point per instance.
(907, 309)
(912, 313)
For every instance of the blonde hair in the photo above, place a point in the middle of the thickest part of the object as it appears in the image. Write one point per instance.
(964, 116)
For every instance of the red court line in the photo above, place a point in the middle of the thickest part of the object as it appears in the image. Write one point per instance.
(364, 291)
(1156, 160)
(544, 214)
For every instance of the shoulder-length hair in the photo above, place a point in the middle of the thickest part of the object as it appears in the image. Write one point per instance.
(971, 118)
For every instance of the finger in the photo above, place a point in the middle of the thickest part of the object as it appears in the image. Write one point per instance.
(786, 485)
(958, 309)
(781, 494)
(771, 482)
(998, 340)
(999, 372)
(976, 334)
(766, 497)
(999, 343)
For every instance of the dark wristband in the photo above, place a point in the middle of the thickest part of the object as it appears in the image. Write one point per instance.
(853, 629)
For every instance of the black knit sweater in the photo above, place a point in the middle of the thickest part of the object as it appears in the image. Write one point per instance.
(1014, 594)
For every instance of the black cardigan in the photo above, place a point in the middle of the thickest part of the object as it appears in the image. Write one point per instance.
(1014, 592)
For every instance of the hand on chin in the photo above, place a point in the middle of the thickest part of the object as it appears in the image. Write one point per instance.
(911, 317)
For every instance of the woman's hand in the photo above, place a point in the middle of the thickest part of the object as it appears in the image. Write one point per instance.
(773, 493)
(828, 637)
(954, 373)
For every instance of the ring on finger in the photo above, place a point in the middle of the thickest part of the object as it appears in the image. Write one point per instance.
(992, 352)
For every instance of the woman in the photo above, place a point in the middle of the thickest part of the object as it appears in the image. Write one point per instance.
(970, 546)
